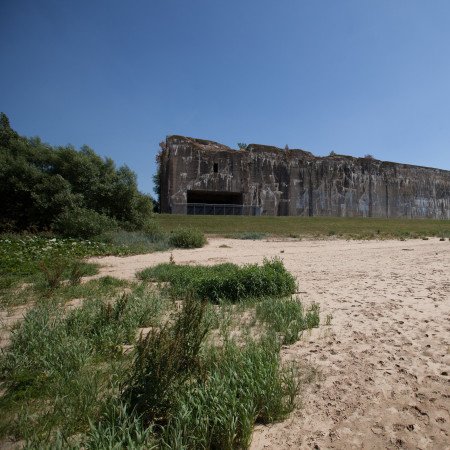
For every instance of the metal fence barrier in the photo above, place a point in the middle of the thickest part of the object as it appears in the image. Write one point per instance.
(216, 209)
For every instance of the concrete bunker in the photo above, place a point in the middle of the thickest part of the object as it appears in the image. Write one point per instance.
(198, 176)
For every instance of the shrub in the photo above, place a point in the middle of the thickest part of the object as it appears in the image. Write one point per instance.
(83, 223)
(224, 281)
(38, 182)
(154, 231)
(187, 238)
(53, 271)
(165, 359)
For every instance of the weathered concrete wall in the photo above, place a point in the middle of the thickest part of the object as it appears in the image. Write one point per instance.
(295, 182)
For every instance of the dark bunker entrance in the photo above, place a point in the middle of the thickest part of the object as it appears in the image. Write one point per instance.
(214, 202)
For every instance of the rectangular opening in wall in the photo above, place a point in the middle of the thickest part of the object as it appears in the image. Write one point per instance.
(216, 167)
(215, 197)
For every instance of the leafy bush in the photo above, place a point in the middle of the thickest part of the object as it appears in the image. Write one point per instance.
(224, 281)
(83, 223)
(187, 238)
(154, 232)
(38, 182)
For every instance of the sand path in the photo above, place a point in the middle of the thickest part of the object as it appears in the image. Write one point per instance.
(384, 362)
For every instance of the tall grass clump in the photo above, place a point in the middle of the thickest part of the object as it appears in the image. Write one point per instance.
(201, 397)
(112, 324)
(187, 238)
(52, 272)
(119, 428)
(164, 362)
(41, 349)
(287, 317)
(242, 386)
(61, 364)
(225, 281)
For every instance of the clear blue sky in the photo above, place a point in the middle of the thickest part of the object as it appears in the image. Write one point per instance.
(353, 76)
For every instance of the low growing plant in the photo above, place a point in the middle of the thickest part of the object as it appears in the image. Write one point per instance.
(242, 386)
(224, 281)
(287, 317)
(187, 238)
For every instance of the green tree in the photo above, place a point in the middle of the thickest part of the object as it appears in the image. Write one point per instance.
(38, 183)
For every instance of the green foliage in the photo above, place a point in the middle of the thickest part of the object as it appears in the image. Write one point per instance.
(39, 182)
(137, 241)
(164, 361)
(224, 281)
(41, 349)
(154, 231)
(242, 385)
(82, 223)
(118, 429)
(61, 363)
(344, 227)
(187, 238)
(242, 145)
(26, 257)
(287, 318)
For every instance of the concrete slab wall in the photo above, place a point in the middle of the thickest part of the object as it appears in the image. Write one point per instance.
(295, 182)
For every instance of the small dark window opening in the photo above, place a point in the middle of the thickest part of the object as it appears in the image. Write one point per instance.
(216, 167)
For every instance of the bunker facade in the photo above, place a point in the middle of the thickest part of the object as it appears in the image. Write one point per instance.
(204, 177)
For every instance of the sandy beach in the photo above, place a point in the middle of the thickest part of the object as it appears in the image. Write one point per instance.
(383, 364)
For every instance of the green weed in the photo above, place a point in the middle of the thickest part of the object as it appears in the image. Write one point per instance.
(346, 227)
(164, 361)
(187, 238)
(242, 386)
(224, 281)
(286, 317)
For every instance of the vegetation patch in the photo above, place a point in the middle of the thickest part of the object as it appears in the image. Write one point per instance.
(81, 373)
(224, 281)
(187, 238)
(316, 227)
(62, 365)
(76, 192)
(287, 317)
(240, 386)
